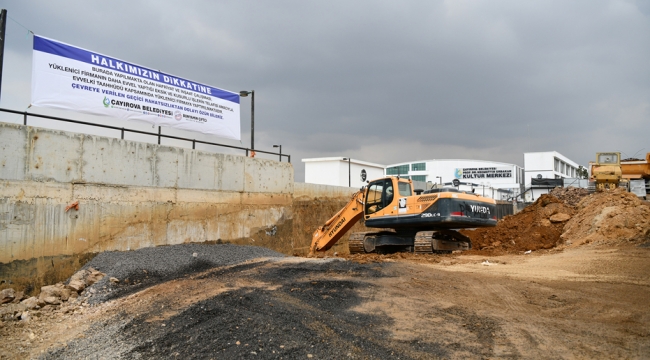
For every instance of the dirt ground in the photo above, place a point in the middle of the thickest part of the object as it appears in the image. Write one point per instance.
(568, 277)
(578, 302)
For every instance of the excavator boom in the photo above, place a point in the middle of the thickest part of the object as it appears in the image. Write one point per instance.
(327, 235)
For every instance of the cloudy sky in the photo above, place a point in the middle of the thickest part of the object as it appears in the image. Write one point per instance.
(380, 81)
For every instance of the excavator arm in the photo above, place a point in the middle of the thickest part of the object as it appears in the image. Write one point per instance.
(327, 235)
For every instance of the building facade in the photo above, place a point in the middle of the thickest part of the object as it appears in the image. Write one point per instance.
(546, 165)
(497, 180)
(339, 171)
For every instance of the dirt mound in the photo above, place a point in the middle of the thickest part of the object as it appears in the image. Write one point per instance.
(538, 226)
(569, 195)
(609, 217)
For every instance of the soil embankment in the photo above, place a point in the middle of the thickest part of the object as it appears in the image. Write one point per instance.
(567, 217)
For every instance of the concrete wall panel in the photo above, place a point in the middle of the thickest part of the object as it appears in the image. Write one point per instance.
(119, 162)
(54, 155)
(166, 166)
(197, 170)
(230, 173)
(268, 176)
(13, 150)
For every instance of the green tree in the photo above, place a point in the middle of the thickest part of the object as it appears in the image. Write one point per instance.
(582, 172)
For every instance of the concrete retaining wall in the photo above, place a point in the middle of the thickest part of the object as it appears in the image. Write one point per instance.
(133, 195)
(130, 194)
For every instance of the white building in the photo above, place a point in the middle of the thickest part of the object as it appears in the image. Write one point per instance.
(496, 180)
(546, 165)
(339, 171)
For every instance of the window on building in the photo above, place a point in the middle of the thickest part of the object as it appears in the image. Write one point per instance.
(557, 165)
(398, 170)
(418, 167)
(422, 178)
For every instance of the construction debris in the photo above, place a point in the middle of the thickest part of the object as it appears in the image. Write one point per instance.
(569, 195)
(568, 216)
(609, 217)
(538, 226)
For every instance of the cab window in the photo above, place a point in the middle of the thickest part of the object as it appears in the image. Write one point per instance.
(373, 197)
(404, 189)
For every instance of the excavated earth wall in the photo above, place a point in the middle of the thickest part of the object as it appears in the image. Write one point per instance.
(65, 197)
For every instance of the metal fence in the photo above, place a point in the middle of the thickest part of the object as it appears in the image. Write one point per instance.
(159, 135)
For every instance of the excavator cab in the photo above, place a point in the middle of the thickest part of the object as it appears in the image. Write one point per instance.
(380, 195)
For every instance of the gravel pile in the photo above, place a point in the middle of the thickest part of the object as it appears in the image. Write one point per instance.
(149, 266)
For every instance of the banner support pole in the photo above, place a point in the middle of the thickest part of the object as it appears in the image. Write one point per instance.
(3, 27)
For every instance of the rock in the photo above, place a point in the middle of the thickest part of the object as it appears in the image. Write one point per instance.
(31, 303)
(25, 316)
(7, 296)
(76, 285)
(20, 296)
(51, 300)
(557, 218)
(114, 280)
(93, 276)
(57, 291)
(545, 222)
(12, 309)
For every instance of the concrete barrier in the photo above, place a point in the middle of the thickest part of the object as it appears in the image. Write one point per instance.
(132, 195)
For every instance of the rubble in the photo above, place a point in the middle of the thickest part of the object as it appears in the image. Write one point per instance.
(51, 297)
(538, 226)
(568, 216)
(569, 195)
(31, 303)
(609, 217)
(7, 295)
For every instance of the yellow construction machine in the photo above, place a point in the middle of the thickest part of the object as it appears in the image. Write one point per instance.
(410, 220)
(606, 171)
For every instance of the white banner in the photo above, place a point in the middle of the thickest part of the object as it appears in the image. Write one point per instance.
(71, 78)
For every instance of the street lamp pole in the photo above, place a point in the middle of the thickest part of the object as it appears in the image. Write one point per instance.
(280, 153)
(439, 177)
(349, 172)
(245, 93)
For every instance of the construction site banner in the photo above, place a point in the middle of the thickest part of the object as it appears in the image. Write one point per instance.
(71, 78)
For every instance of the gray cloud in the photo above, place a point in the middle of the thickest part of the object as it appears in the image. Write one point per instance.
(386, 81)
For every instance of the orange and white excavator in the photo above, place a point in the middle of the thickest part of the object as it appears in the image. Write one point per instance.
(410, 220)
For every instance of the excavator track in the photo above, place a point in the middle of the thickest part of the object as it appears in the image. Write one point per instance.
(355, 243)
(422, 244)
(441, 241)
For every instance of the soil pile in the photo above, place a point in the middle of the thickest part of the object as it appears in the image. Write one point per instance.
(570, 195)
(538, 226)
(609, 217)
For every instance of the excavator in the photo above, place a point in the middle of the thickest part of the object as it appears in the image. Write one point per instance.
(407, 220)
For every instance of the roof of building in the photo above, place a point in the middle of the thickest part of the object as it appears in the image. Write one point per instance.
(439, 160)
